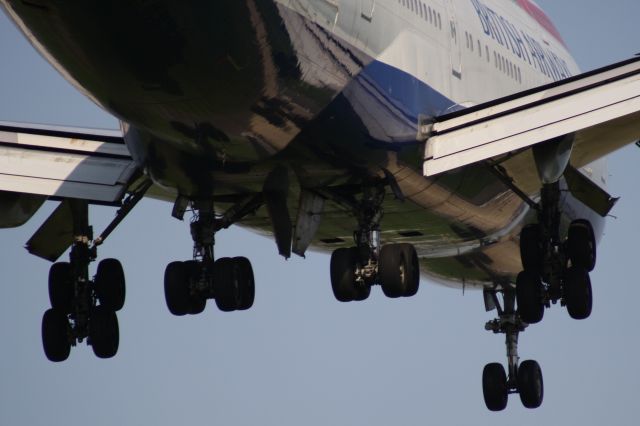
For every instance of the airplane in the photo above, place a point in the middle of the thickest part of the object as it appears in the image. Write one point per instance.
(357, 127)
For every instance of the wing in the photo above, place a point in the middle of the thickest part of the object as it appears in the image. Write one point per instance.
(57, 162)
(600, 110)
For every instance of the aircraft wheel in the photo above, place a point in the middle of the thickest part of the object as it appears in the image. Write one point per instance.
(577, 293)
(176, 288)
(398, 270)
(55, 335)
(531, 248)
(581, 244)
(226, 285)
(530, 384)
(104, 333)
(110, 284)
(412, 271)
(196, 304)
(245, 277)
(61, 287)
(343, 275)
(494, 386)
(529, 293)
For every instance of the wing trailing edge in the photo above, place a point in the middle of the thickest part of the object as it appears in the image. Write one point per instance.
(56, 162)
(601, 109)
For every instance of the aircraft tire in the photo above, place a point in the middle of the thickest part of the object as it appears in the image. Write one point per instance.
(581, 245)
(226, 285)
(176, 289)
(578, 295)
(246, 280)
(494, 386)
(530, 384)
(196, 304)
(55, 337)
(392, 265)
(104, 332)
(529, 292)
(412, 270)
(342, 268)
(530, 248)
(110, 284)
(61, 287)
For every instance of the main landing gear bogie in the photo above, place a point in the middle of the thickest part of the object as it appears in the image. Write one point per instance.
(395, 267)
(561, 275)
(189, 284)
(555, 269)
(396, 270)
(228, 280)
(83, 309)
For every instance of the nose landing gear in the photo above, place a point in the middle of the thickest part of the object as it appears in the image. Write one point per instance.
(523, 378)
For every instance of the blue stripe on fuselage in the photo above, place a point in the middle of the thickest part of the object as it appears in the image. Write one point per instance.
(395, 100)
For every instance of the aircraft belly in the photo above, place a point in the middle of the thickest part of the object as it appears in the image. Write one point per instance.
(240, 78)
(214, 96)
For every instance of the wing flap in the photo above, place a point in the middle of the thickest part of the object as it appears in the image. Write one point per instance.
(62, 164)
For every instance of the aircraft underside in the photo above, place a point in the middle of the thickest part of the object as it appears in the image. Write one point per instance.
(273, 122)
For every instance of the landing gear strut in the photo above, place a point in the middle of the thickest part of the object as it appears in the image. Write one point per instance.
(555, 269)
(394, 266)
(523, 378)
(230, 281)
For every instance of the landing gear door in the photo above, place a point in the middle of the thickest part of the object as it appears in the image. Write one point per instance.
(455, 52)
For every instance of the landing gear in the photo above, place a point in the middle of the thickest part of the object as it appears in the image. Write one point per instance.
(354, 270)
(81, 307)
(523, 378)
(230, 281)
(555, 269)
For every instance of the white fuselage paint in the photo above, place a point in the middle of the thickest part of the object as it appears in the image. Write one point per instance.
(470, 51)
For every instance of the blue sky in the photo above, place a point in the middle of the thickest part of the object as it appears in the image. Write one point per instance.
(299, 357)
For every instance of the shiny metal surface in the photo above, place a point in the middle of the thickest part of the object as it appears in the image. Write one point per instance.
(214, 95)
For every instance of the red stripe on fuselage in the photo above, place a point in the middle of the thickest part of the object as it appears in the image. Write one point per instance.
(538, 14)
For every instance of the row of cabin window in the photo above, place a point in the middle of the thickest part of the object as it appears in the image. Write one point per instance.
(500, 61)
(507, 67)
(426, 12)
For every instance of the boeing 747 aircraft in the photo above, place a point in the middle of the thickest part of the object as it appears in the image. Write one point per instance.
(454, 140)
